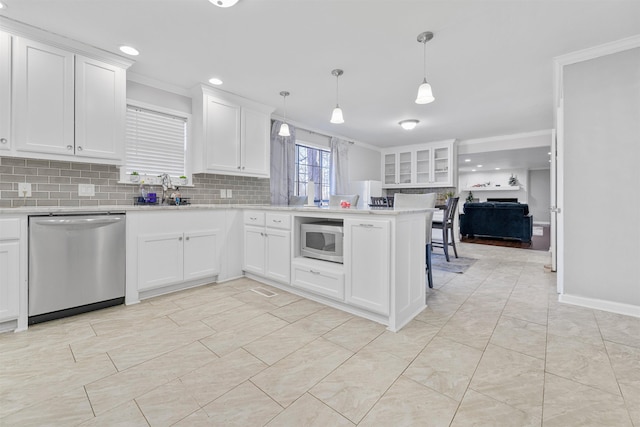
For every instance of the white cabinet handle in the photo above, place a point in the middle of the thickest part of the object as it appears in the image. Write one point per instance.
(79, 148)
(69, 147)
(3, 140)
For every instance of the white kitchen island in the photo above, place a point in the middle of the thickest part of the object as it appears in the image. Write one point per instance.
(382, 277)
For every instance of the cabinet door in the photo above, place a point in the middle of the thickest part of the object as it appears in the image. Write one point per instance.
(9, 280)
(278, 255)
(405, 168)
(319, 281)
(442, 166)
(201, 254)
(5, 91)
(389, 169)
(423, 166)
(222, 136)
(100, 109)
(254, 250)
(43, 96)
(255, 154)
(367, 259)
(160, 260)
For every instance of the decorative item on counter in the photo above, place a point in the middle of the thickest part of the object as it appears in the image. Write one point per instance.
(513, 181)
(134, 177)
(183, 180)
(345, 204)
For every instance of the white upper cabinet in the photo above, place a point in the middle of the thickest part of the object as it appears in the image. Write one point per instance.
(5, 91)
(230, 134)
(420, 166)
(66, 104)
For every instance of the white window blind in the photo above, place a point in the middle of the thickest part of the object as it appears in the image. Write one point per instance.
(156, 142)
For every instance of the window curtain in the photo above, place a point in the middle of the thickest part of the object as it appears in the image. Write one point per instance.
(339, 169)
(283, 167)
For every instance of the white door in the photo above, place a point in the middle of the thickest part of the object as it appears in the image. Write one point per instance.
(160, 260)
(278, 255)
(100, 109)
(254, 250)
(554, 200)
(9, 279)
(256, 147)
(222, 136)
(43, 98)
(5, 91)
(367, 259)
(201, 254)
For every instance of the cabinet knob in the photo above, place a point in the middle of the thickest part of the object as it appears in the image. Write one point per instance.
(3, 140)
(238, 167)
(180, 239)
(79, 148)
(186, 238)
(243, 168)
(69, 147)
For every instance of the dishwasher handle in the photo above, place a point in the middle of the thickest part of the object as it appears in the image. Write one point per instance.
(80, 221)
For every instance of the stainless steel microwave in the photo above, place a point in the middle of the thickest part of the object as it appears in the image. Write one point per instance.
(322, 240)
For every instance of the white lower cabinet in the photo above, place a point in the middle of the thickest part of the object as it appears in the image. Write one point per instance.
(10, 268)
(366, 257)
(166, 249)
(168, 258)
(267, 245)
(313, 277)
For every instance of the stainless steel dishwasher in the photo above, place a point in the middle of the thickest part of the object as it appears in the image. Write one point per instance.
(76, 264)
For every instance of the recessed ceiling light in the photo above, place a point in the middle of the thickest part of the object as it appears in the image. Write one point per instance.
(215, 81)
(408, 124)
(2, 5)
(223, 3)
(467, 160)
(497, 169)
(129, 50)
(549, 153)
(479, 166)
(473, 170)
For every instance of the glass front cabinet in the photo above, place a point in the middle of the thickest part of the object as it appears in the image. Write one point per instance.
(420, 166)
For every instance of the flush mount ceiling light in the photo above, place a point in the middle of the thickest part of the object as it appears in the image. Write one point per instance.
(425, 95)
(129, 50)
(284, 127)
(223, 3)
(336, 116)
(409, 124)
(215, 81)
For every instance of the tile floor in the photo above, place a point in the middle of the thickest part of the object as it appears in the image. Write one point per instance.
(493, 348)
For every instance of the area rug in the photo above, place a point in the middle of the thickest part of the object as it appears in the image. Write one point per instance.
(456, 265)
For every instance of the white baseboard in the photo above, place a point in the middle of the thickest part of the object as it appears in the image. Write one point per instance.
(598, 304)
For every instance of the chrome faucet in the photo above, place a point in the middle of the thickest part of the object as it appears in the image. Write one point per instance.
(165, 181)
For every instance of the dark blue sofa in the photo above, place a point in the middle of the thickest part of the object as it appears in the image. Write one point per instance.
(497, 219)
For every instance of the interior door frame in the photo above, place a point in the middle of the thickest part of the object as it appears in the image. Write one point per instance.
(558, 65)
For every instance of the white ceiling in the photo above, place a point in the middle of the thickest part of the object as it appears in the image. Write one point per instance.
(490, 62)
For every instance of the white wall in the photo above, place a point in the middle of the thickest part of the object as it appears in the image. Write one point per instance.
(159, 97)
(540, 195)
(364, 164)
(601, 182)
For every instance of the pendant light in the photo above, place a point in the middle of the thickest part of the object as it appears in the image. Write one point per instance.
(425, 95)
(223, 3)
(336, 116)
(284, 127)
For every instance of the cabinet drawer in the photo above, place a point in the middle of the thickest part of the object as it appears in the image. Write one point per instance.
(279, 221)
(319, 281)
(254, 218)
(10, 229)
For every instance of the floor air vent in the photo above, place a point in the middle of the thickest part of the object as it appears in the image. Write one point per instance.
(264, 292)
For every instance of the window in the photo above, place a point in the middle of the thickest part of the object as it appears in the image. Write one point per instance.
(312, 164)
(156, 141)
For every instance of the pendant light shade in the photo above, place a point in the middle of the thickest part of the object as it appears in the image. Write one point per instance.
(425, 94)
(284, 127)
(336, 115)
(223, 3)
